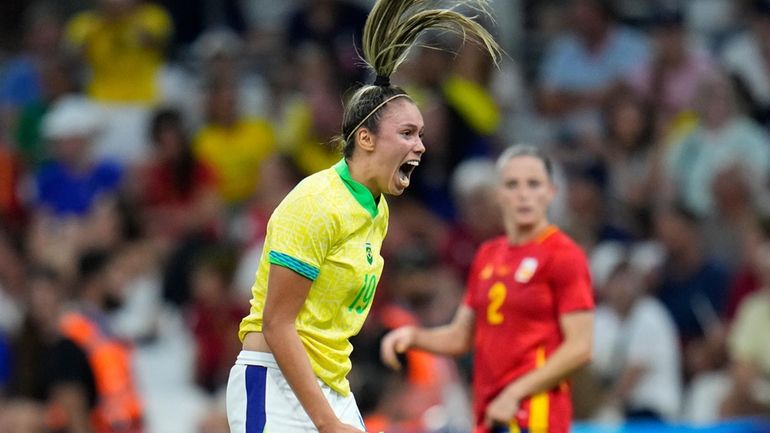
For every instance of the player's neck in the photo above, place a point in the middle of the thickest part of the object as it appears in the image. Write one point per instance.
(524, 234)
(360, 171)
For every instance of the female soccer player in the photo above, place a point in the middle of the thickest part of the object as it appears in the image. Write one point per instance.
(321, 260)
(527, 311)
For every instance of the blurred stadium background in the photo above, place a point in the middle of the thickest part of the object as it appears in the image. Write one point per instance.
(143, 146)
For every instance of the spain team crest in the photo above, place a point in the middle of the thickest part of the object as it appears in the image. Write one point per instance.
(369, 257)
(526, 270)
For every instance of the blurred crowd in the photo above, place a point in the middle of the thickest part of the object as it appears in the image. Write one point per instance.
(143, 146)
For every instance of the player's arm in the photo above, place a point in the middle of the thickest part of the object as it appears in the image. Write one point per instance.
(287, 292)
(575, 351)
(453, 339)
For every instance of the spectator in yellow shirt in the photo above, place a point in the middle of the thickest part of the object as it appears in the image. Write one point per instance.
(234, 146)
(122, 42)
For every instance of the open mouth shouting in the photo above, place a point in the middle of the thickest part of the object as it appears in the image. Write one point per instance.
(405, 172)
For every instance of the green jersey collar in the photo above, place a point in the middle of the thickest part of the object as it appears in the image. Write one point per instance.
(362, 195)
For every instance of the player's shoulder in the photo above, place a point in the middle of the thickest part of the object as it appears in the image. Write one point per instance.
(491, 245)
(561, 244)
(315, 189)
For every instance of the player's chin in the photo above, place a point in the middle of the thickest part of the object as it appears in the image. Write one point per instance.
(398, 184)
(396, 190)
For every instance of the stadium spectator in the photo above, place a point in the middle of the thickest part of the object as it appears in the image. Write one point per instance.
(122, 43)
(335, 25)
(636, 351)
(176, 191)
(473, 185)
(736, 219)
(37, 344)
(213, 315)
(21, 78)
(73, 180)
(11, 172)
(745, 58)
(693, 287)
(312, 114)
(13, 263)
(588, 219)
(581, 65)
(750, 360)
(632, 155)
(234, 146)
(724, 136)
(670, 76)
(57, 81)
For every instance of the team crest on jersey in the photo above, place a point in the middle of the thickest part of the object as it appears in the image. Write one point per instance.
(369, 257)
(526, 270)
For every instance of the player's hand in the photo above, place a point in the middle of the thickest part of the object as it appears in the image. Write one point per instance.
(501, 411)
(397, 341)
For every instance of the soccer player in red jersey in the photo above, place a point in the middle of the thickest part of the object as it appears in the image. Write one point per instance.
(527, 312)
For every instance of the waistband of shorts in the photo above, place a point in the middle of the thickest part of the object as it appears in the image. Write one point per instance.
(264, 359)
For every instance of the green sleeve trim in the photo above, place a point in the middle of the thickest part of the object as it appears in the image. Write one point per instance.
(308, 271)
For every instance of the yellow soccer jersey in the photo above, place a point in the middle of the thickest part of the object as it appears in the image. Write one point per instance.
(328, 229)
(236, 154)
(123, 67)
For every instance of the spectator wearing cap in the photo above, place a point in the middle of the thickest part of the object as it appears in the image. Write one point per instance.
(746, 57)
(72, 181)
(669, 78)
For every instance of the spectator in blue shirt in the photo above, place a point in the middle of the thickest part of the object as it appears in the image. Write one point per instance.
(70, 183)
(582, 65)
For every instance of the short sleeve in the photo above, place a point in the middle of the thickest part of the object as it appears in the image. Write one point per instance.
(300, 234)
(571, 281)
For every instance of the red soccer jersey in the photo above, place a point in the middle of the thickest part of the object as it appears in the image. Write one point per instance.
(517, 293)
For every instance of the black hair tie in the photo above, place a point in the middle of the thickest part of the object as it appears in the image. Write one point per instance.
(382, 81)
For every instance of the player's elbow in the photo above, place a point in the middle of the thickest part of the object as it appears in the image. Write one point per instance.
(272, 327)
(583, 352)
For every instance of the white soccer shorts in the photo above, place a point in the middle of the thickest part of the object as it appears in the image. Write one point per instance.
(259, 400)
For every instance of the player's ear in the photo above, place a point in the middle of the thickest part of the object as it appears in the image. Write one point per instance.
(365, 139)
